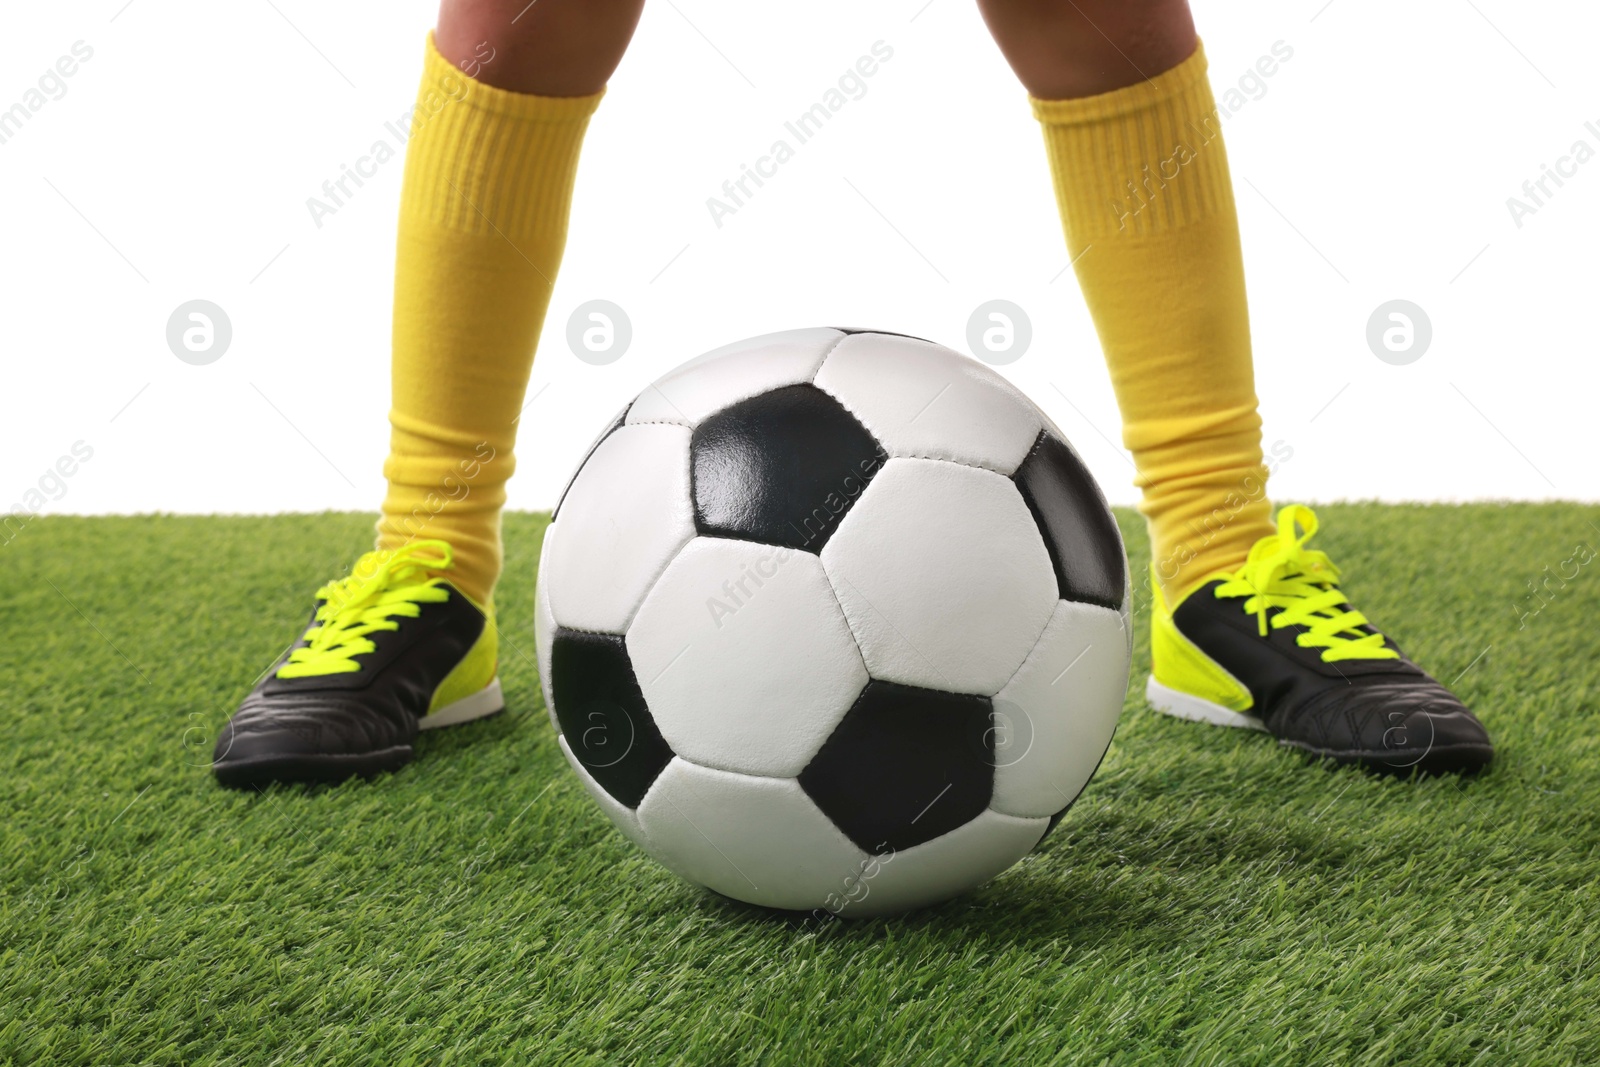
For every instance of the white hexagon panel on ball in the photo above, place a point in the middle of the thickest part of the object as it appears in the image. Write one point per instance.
(744, 657)
(625, 516)
(923, 400)
(943, 576)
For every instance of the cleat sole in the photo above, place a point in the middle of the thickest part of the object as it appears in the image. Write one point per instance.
(1181, 705)
(480, 705)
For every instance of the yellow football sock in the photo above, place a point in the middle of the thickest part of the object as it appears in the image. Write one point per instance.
(1142, 181)
(483, 223)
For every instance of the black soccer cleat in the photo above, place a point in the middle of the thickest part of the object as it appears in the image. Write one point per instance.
(1275, 646)
(390, 651)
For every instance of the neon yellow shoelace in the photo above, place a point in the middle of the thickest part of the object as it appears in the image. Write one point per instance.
(1302, 584)
(380, 587)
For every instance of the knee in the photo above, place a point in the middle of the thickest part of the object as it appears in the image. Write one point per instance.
(547, 47)
(1061, 49)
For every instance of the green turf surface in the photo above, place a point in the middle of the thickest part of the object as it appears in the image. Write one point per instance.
(1210, 899)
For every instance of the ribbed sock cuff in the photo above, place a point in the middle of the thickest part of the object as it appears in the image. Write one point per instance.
(1141, 159)
(486, 160)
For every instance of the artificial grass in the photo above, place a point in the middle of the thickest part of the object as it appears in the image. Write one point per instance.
(1210, 899)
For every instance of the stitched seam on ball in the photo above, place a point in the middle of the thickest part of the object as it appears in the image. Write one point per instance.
(741, 772)
(685, 422)
(1036, 643)
(1034, 818)
(653, 387)
(1046, 630)
(824, 362)
(947, 459)
(638, 822)
(855, 642)
(655, 578)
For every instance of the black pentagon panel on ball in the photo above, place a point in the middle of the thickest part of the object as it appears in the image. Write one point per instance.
(603, 714)
(905, 766)
(1079, 533)
(613, 427)
(781, 468)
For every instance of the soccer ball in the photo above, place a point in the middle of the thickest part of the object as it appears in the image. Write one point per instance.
(833, 620)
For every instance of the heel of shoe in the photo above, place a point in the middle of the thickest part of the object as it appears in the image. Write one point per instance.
(480, 705)
(1181, 705)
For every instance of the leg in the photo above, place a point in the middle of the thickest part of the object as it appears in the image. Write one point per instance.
(483, 223)
(1249, 626)
(507, 91)
(1061, 51)
(547, 48)
(1147, 203)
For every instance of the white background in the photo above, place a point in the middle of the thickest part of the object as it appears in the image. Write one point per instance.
(1376, 165)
